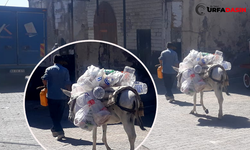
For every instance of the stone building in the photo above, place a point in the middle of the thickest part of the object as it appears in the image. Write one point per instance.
(150, 24)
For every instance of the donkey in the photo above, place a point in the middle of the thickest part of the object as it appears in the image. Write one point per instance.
(216, 79)
(125, 111)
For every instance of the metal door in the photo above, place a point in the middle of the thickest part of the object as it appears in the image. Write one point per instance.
(105, 27)
(31, 37)
(8, 53)
(144, 45)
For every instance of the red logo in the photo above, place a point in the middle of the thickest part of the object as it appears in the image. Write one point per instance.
(91, 102)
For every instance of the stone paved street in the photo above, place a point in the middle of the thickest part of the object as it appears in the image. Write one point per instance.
(77, 138)
(14, 132)
(176, 129)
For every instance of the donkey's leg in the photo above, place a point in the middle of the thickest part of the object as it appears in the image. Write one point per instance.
(202, 104)
(194, 108)
(128, 125)
(104, 136)
(218, 93)
(94, 138)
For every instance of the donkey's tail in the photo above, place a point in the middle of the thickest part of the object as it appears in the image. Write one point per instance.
(139, 112)
(225, 82)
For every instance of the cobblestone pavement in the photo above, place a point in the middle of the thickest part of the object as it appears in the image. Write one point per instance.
(14, 132)
(77, 138)
(176, 129)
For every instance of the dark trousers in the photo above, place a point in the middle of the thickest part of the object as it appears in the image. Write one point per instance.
(168, 82)
(56, 109)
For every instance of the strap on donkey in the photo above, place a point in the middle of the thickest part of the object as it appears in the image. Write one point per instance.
(112, 97)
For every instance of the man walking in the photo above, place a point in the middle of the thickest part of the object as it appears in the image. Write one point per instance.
(168, 59)
(55, 78)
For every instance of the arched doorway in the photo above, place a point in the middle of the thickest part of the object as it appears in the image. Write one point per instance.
(105, 27)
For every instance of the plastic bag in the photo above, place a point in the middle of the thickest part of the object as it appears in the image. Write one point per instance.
(184, 66)
(199, 84)
(91, 73)
(81, 114)
(187, 87)
(101, 117)
(76, 90)
(86, 84)
(84, 116)
(84, 99)
(100, 113)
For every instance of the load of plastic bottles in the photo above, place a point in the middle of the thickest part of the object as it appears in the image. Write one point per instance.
(90, 89)
(193, 65)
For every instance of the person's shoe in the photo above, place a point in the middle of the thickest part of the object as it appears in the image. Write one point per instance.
(59, 137)
(171, 98)
(167, 97)
(55, 134)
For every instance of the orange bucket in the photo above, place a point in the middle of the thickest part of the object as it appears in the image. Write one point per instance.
(43, 98)
(159, 72)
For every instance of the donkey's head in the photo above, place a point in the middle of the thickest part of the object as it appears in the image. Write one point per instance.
(66, 92)
(71, 104)
(175, 68)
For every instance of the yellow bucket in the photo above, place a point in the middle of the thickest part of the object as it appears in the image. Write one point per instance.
(43, 98)
(159, 72)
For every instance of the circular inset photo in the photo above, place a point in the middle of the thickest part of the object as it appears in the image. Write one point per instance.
(90, 95)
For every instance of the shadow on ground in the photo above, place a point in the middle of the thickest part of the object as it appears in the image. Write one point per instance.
(77, 142)
(38, 116)
(182, 103)
(227, 121)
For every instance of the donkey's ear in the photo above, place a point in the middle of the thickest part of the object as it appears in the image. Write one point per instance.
(66, 92)
(176, 69)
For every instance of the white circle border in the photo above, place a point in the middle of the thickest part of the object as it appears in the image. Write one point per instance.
(85, 41)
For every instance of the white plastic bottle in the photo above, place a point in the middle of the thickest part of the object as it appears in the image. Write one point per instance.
(98, 78)
(227, 65)
(218, 58)
(128, 78)
(98, 92)
(197, 69)
(140, 87)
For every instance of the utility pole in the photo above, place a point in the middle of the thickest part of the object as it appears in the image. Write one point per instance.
(124, 24)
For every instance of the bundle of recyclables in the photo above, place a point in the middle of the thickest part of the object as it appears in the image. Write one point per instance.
(192, 66)
(90, 89)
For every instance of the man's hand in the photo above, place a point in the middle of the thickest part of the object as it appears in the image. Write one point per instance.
(45, 82)
(160, 62)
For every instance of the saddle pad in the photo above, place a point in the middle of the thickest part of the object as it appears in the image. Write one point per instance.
(112, 93)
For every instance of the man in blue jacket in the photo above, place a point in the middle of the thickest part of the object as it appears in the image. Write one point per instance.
(55, 78)
(168, 59)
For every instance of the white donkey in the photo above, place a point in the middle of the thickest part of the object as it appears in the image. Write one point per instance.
(125, 111)
(216, 79)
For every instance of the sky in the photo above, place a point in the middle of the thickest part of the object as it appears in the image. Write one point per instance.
(17, 3)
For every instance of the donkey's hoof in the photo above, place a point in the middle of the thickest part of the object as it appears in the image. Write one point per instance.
(219, 117)
(206, 111)
(193, 112)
